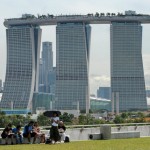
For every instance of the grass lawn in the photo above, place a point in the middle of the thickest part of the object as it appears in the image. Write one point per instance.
(119, 144)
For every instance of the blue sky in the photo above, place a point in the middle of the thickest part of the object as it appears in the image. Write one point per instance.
(100, 47)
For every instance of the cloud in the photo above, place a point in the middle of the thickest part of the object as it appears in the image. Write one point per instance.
(98, 80)
(146, 64)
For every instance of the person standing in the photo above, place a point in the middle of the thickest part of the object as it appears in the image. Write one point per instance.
(54, 133)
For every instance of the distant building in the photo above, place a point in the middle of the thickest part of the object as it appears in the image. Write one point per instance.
(41, 72)
(1, 85)
(0, 96)
(147, 93)
(47, 58)
(47, 55)
(99, 104)
(104, 92)
(52, 80)
(42, 100)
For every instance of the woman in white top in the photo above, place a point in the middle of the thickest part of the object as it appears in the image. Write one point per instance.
(54, 133)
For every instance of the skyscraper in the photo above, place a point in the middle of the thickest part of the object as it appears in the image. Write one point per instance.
(41, 76)
(47, 59)
(52, 80)
(0, 85)
(127, 76)
(104, 92)
(72, 66)
(23, 47)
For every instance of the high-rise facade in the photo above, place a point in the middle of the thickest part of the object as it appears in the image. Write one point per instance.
(1, 85)
(104, 92)
(47, 55)
(72, 66)
(41, 76)
(47, 63)
(52, 81)
(127, 76)
(23, 49)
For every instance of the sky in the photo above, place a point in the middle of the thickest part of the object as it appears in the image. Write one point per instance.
(100, 38)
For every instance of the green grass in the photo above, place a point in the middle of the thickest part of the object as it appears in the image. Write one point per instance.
(119, 144)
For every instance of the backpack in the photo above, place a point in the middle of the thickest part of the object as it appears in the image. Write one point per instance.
(67, 139)
(48, 141)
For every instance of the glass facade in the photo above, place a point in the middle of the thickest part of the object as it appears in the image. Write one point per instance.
(97, 104)
(44, 100)
(72, 65)
(127, 76)
(23, 47)
(104, 92)
(47, 65)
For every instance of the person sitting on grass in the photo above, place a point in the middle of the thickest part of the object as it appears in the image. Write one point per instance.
(7, 133)
(17, 134)
(28, 132)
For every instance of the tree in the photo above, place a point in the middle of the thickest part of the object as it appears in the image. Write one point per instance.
(67, 118)
(118, 119)
(124, 115)
(140, 114)
(86, 119)
(97, 14)
(2, 113)
(82, 119)
(43, 120)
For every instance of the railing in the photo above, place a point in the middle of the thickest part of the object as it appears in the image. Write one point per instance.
(98, 125)
(95, 125)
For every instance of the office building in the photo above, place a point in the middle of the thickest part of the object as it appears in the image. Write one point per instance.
(41, 70)
(0, 85)
(72, 66)
(104, 92)
(127, 76)
(42, 100)
(23, 49)
(52, 81)
(47, 63)
(147, 93)
(99, 104)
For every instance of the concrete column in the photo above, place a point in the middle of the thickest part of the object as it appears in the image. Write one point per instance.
(77, 105)
(12, 105)
(87, 100)
(105, 130)
(51, 105)
(112, 102)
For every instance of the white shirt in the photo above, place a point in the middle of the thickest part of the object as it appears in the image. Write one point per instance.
(56, 119)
